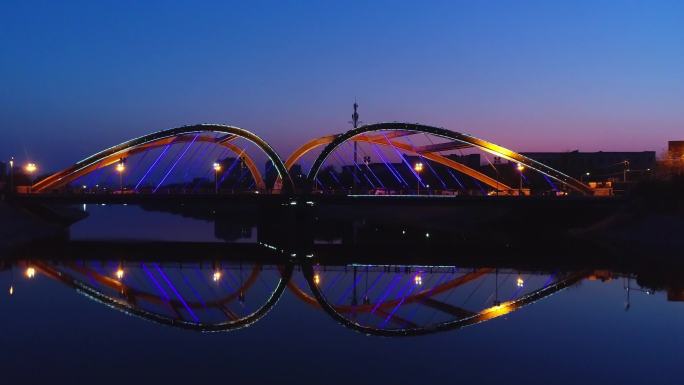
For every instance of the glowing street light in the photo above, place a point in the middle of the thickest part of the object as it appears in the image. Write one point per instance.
(11, 290)
(583, 175)
(30, 169)
(119, 273)
(317, 279)
(30, 272)
(217, 276)
(418, 168)
(217, 169)
(418, 280)
(520, 168)
(120, 168)
(11, 175)
(519, 282)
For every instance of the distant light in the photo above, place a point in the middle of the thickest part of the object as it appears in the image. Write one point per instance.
(427, 235)
(418, 167)
(520, 167)
(403, 232)
(418, 280)
(217, 166)
(217, 276)
(84, 187)
(428, 186)
(31, 168)
(317, 279)
(119, 273)
(30, 272)
(587, 174)
(11, 290)
(520, 282)
(120, 167)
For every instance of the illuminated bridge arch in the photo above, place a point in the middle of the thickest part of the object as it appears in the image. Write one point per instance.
(429, 152)
(171, 136)
(379, 315)
(179, 300)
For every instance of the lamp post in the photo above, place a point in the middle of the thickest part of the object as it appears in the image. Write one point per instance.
(520, 168)
(217, 168)
(30, 169)
(11, 175)
(418, 167)
(120, 167)
(625, 170)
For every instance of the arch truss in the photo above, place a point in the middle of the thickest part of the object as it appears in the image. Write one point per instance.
(206, 133)
(386, 134)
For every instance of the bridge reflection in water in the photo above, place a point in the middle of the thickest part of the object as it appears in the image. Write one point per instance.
(387, 300)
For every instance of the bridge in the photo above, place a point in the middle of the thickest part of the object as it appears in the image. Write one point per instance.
(224, 295)
(400, 159)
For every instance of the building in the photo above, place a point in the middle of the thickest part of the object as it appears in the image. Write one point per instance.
(599, 166)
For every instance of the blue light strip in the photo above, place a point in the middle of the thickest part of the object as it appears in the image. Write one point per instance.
(180, 298)
(166, 148)
(427, 162)
(176, 162)
(408, 289)
(156, 283)
(389, 166)
(450, 171)
(403, 158)
(349, 290)
(389, 289)
(194, 292)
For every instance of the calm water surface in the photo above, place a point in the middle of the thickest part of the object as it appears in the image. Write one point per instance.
(237, 320)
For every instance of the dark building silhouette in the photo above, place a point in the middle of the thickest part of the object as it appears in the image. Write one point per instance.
(600, 165)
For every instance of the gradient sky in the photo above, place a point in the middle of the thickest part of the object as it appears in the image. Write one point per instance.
(76, 77)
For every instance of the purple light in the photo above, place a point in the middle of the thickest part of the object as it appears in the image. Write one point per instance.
(176, 162)
(180, 298)
(166, 148)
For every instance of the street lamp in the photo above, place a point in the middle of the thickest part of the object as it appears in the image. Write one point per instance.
(625, 170)
(582, 176)
(217, 168)
(30, 169)
(520, 168)
(120, 167)
(418, 167)
(11, 175)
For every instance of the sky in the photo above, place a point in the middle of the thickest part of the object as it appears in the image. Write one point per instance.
(77, 77)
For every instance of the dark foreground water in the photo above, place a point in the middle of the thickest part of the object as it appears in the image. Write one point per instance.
(94, 319)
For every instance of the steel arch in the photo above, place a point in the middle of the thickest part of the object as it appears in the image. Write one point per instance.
(113, 153)
(384, 140)
(456, 136)
(129, 306)
(470, 319)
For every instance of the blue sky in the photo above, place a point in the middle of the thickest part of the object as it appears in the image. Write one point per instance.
(76, 77)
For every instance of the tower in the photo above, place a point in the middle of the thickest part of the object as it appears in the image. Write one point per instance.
(355, 123)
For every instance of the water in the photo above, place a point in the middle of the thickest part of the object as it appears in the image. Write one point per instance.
(303, 320)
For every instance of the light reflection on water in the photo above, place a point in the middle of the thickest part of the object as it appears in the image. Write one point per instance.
(285, 320)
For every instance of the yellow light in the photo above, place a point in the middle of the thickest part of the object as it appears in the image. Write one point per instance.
(419, 280)
(119, 273)
(217, 276)
(11, 290)
(317, 279)
(120, 167)
(217, 167)
(520, 282)
(31, 168)
(418, 167)
(520, 167)
(30, 272)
